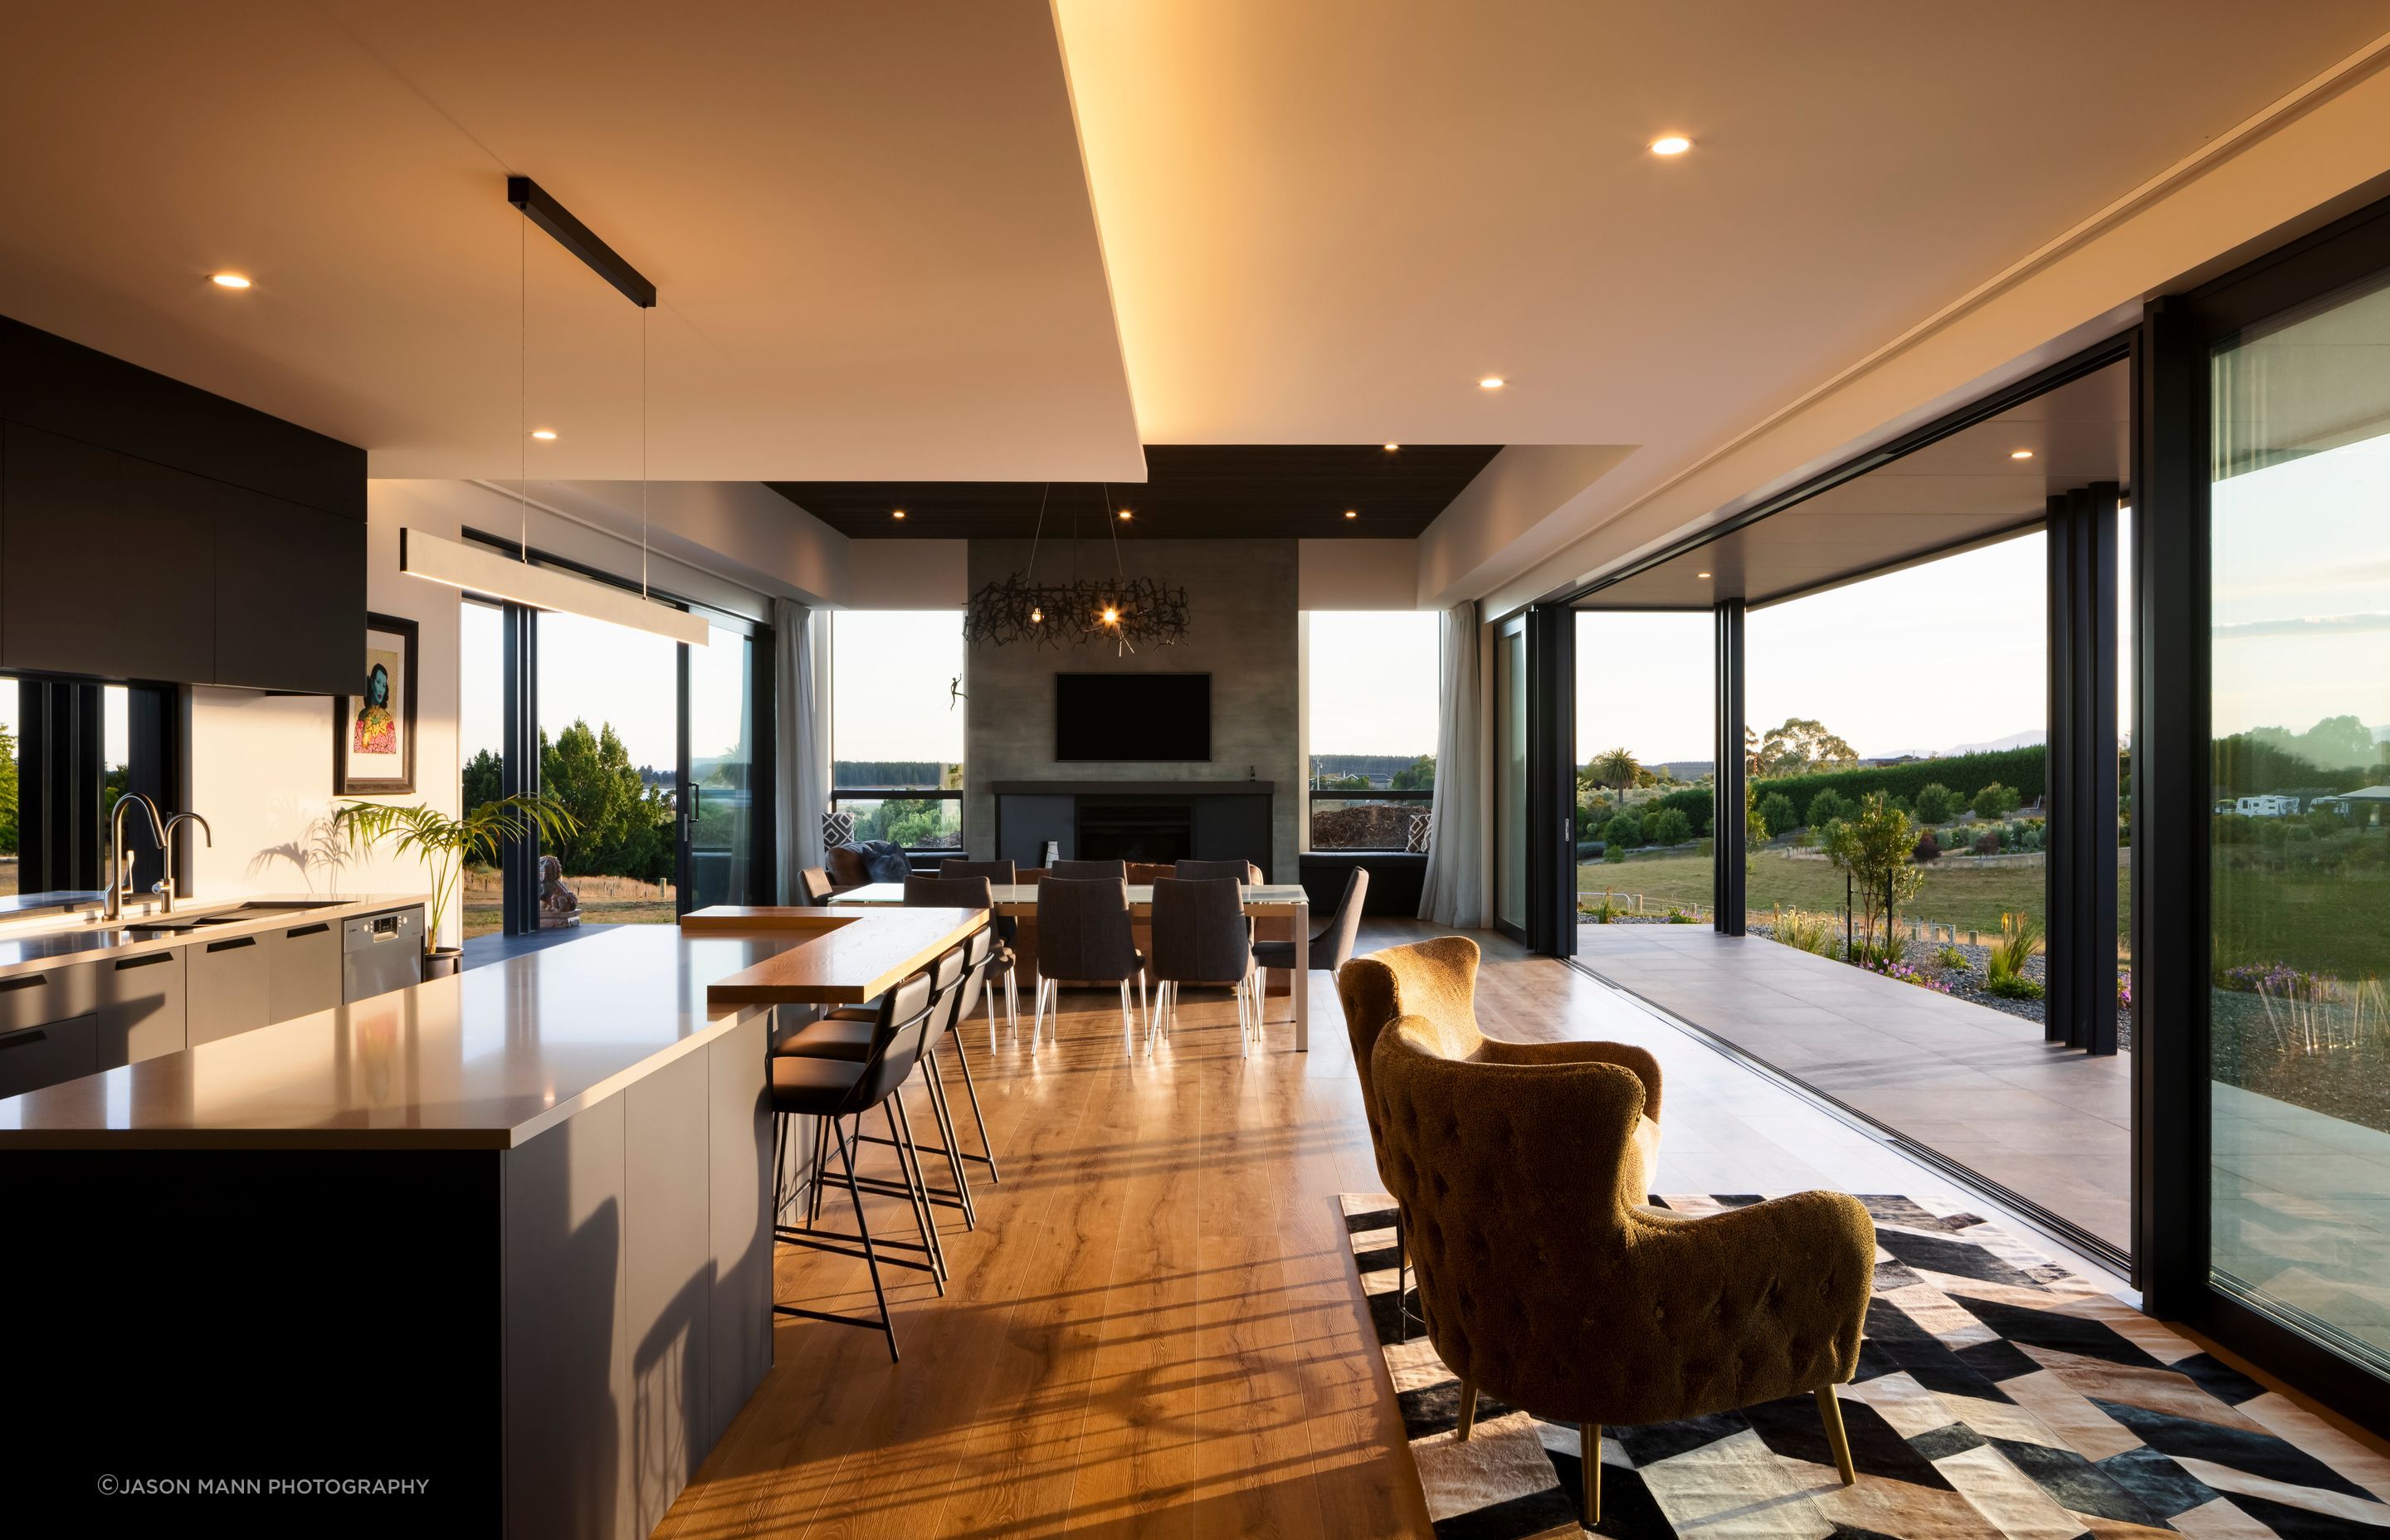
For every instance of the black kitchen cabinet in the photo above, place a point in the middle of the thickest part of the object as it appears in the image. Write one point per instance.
(290, 597)
(103, 554)
(151, 531)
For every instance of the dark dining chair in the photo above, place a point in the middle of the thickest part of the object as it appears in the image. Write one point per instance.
(1201, 937)
(1331, 945)
(1003, 874)
(1083, 936)
(813, 886)
(1089, 871)
(834, 1090)
(1200, 871)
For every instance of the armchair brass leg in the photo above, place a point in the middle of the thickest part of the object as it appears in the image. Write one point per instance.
(1829, 1412)
(1589, 1455)
(1468, 1410)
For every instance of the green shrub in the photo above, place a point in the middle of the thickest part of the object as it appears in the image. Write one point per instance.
(1614, 854)
(1678, 917)
(1996, 801)
(1927, 848)
(1810, 932)
(2004, 970)
(2014, 986)
(2272, 835)
(1936, 803)
(1622, 830)
(1605, 914)
(1989, 842)
(1669, 827)
(1954, 959)
(1777, 811)
(1824, 808)
(1694, 803)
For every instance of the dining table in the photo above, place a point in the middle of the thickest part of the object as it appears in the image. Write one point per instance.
(1284, 901)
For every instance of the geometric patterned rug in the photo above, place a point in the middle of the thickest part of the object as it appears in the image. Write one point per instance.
(1998, 1394)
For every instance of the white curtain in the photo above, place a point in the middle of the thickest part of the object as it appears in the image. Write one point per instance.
(1454, 891)
(800, 742)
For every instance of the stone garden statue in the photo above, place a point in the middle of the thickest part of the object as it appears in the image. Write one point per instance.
(559, 908)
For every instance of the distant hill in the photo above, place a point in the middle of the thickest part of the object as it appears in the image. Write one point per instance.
(1378, 768)
(1992, 746)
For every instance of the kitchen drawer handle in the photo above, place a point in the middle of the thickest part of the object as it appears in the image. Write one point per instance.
(23, 1037)
(316, 930)
(23, 981)
(228, 945)
(123, 963)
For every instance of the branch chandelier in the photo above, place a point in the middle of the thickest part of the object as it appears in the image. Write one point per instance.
(1119, 610)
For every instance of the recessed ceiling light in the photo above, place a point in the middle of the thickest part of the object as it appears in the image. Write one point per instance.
(228, 280)
(1352, 513)
(2020, 454)
(1701, 574)
(898, 514)
(542, 433)
(1670, 143)
(1492, 382)
(1392, 447)
(1125, 513)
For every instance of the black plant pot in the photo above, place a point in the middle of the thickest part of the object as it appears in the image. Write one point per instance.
(442, 962)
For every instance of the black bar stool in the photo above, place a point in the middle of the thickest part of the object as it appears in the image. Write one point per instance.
(834, 1090)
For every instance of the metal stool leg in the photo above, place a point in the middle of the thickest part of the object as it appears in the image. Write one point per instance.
(900, 1132)
(970, 1089)
(870, 1258)
(944, 1116)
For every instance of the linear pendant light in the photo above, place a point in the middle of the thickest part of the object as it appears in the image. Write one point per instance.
(478, 569)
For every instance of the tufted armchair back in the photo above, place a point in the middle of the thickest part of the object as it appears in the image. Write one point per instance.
(1433, 984)
(1548, 1285)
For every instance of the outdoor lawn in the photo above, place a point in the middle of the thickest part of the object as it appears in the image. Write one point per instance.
(604, 901)
(1969, 897)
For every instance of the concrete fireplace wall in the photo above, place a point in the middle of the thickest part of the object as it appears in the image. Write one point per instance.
(1241, 630)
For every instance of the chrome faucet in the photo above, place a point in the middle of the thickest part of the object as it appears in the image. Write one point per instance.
(164, 886)
(120, 871)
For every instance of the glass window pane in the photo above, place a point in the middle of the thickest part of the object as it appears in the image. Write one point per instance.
(609, 751)
(1646, 759)
(9, 763)
(1510, 777)
(896, 720)
(481, 735)
(2300, 843)
(1370, 684)
(721, 759)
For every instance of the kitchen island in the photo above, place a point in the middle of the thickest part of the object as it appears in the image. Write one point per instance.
(496, 1246)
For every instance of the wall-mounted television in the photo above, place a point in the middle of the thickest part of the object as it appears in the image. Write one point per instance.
(1133, 716)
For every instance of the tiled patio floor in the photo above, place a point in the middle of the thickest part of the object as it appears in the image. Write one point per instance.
(1977, 1087)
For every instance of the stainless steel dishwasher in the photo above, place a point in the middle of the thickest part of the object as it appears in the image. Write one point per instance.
(379, 953)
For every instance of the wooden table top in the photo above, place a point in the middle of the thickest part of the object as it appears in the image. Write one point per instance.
(854, 955)
(1020, 898)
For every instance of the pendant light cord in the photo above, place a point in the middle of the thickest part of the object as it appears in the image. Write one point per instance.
(1040, 533)
(522, 391)
(643, 452)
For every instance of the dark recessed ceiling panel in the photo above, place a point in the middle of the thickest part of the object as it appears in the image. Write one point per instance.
(1222, 492)
(1969, 487)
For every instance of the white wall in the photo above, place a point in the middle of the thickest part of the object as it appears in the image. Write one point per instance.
(262, 765)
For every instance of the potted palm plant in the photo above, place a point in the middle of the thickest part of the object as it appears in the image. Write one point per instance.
(447, 845)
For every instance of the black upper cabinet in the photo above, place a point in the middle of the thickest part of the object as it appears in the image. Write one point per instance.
(151, 531)
(289, 595)
(106, 563)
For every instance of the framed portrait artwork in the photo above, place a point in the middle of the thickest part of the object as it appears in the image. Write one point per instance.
(373, 732)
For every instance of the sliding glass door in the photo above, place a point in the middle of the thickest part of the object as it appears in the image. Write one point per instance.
(718, 811)
(1510, 777)
(2298, 1053)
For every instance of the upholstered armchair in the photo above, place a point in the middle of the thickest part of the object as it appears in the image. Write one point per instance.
(1434, 985)
(1548, 1284)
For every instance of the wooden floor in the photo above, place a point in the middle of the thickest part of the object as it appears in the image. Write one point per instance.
(1156, 1329)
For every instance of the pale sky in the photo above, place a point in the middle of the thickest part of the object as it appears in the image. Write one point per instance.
(1375, 675)
(2302, 605)
(890, 677)
(603, 672)
(1917, 661)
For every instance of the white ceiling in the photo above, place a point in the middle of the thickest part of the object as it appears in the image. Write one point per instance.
(939, 243)
(868, 223)
(1324, 222)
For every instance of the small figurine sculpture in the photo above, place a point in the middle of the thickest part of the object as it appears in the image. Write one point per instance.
(558, 907)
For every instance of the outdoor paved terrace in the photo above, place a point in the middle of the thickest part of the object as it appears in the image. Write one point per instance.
(1977, 1087)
